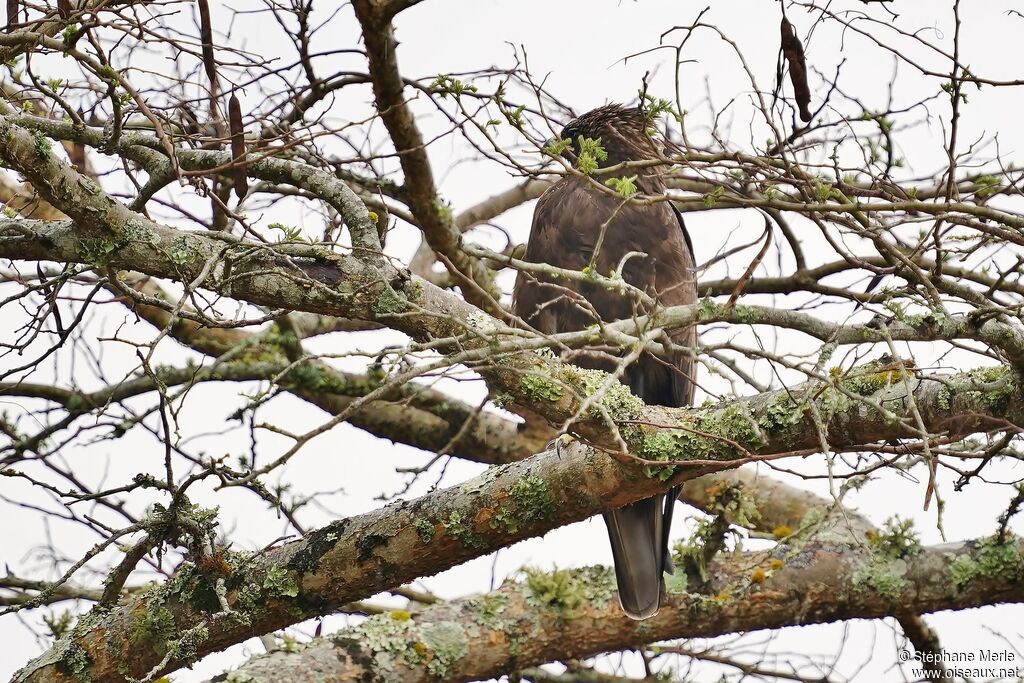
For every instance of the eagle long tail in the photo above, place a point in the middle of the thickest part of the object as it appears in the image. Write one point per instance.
(639, 536)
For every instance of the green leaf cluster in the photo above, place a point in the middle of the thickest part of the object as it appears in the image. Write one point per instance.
(589, 154)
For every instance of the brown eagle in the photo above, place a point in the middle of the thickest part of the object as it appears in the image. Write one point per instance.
(573, 218)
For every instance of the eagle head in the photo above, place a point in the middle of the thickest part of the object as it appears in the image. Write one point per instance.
(624, 133)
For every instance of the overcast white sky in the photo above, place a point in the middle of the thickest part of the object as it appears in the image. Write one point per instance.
(579, 47)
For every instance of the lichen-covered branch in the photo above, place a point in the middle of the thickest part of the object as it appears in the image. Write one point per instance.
(305, 278)
(573, 613)
(411, 413)
(360, 556)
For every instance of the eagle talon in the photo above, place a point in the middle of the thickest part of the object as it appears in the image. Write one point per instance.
(559, 442)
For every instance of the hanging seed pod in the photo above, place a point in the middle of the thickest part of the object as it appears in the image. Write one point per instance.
(206, 36)
(64, 9)
(12, 13)
(793, 51)
(77, 151)
(238, 146)
(78, 156)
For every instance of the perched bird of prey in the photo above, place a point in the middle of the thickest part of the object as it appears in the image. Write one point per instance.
(574, 218)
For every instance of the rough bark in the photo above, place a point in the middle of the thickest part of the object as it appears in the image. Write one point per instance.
(360, 556)
(516, 626)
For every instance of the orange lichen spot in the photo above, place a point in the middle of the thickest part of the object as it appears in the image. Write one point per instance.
(214, 564)
(401, 615)
(782, 531)
(775, 563)
(716, 489)
(757, 576)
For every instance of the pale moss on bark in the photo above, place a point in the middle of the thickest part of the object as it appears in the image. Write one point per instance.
(710, 434)
(459, 527)
(568, 591)
(991, 557)
(390, 302)
(395, 642)
(618, 402)
(530, 501)
(540, 389)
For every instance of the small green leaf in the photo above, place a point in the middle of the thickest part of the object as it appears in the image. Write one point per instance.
(626, 187)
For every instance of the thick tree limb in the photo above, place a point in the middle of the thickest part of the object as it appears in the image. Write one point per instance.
(412, 414)
(306, 279)
(485, 636)
(357, 557)
(366, 554)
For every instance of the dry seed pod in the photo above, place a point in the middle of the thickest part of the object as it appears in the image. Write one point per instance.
(77, 154)
(77, 151)
(794, 54)
(64, 9)
(206, 36)
(12, 13)
(238, 146)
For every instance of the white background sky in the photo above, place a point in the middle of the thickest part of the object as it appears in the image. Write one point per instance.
(579, 47)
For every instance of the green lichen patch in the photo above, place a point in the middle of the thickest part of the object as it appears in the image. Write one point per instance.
(988, 558)
(135, 230)
(897, 539)
(75, 661)
(487, 609)
(315, 377)
(565, 591)
(997, 387)
(866, 381)
(187, 646)
(540, 388)
(676, 583)
(387, 640)
(663, 446)
(247, 599)
(446, 644)
(279, 583)
(395, 642)
(43, 149)
(617, 401)
(96, 251)
(707, 435)
(239, 677)
(182, 252)
(389, 302)
(529, 501)
(153, 628)
(425, 530)
(782, 414)
(201, 595)
(885, 577)
(458, 527)
(693, 555)
(734, 501)
(993, 388)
